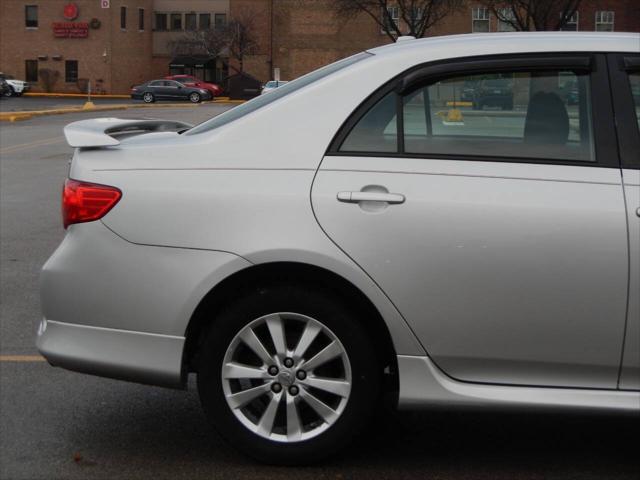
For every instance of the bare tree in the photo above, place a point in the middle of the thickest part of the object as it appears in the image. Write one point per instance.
(213, 42)
(417, 16)
(242, 40)
(524, 15)
(48, 78)
(235, 40)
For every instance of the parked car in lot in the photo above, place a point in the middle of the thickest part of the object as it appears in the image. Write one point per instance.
(16, 87)
(168, 90)
(191, 81)
(365, 246)
(496, 92)
(272, 85)
(4, 88)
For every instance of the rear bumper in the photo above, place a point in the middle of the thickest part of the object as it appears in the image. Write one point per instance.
(126, 355)
(121, 310)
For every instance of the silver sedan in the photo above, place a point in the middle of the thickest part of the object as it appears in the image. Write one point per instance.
(408, 229)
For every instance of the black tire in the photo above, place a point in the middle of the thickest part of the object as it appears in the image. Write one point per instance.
(195, 97)
(334, 314)
(148, 97)
(10, 92)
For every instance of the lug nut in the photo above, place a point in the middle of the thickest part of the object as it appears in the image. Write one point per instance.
(273, 370)
(288, 362)
(293, 390)
(276, 387)
(301, 374)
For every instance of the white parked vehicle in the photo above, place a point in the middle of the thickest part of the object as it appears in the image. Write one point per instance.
(384, 236)
(272, 85)
(16, 87)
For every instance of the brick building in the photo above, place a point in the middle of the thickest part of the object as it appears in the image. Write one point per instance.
(110, 46)
(299, 36)
(118, 43)
(113, 43)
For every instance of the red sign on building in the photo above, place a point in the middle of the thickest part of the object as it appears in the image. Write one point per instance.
(71, 11)
(70, 29)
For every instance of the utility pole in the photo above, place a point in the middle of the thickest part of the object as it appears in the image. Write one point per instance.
(271, 42)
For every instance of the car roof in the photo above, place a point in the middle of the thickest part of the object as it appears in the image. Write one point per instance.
(513, 42)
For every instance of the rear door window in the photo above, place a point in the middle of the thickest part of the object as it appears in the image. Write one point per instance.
(542, 115)
(537, 114)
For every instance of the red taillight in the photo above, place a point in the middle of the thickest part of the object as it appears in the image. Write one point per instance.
(86, 202)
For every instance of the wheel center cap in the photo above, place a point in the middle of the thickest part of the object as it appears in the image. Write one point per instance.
(286, 378)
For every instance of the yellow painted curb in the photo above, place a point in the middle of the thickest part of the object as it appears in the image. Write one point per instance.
(16, 116)
(459, 104)
(22, 358)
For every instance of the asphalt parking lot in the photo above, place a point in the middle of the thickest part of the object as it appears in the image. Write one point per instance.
(20, 104)
(61, 425)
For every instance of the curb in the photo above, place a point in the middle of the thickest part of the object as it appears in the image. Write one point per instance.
(26, 115)
(72, 95)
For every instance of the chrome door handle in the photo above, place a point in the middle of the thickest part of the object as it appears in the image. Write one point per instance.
(357, 197)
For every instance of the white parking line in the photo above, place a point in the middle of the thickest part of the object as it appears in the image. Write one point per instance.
(38, 143)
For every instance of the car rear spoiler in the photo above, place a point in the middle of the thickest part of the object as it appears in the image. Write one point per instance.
(103, 132)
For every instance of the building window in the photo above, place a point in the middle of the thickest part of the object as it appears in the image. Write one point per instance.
(176, 21)
(604, 21)
(205, 21)
(31, 16)
(416, 15)
(71, 71)
(572, 23)
(220, 20)
(480, 19)
(123, 18)
(190, 21)
(506, 25)
(31, 70)
(394, 14)
(141, 19)
(161, 21)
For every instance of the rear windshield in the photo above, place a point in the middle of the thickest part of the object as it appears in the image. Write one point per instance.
(290, 87)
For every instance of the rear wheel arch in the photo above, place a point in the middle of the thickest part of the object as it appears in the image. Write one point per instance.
(289, 272)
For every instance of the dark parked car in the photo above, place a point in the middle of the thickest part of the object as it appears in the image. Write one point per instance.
(4, 88)
(497, 92)
(168, 90)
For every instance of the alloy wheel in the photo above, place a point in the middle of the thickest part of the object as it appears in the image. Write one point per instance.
(286, 377)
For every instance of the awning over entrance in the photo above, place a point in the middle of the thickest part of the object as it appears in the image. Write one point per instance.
(194, 61)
